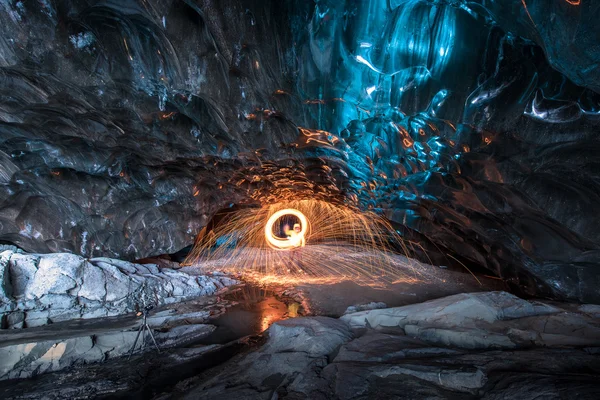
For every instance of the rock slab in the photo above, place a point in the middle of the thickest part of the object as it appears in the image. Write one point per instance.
(489, 345)
(37, 289)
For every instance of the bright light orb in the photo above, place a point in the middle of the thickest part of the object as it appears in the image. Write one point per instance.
(288, 243)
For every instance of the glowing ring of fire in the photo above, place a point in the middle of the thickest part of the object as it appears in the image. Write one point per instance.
(288, 243)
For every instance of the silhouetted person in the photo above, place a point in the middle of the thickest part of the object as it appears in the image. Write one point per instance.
(292, 234)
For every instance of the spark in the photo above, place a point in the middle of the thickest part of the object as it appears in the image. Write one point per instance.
(341, 244)
(297, 240)
(127, 48)
(527, 11)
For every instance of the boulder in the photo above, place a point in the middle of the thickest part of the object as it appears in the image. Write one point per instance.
(23, 268)
(458, 347)
(57, 273)
(93, 285)
(483, 321)
(57, 287)
(457, 310)
(315, 336)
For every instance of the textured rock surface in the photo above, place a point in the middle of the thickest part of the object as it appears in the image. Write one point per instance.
(294, 348)
(35, 358)
(149, 103)
(471, 125)
(113, 377)
(453, 356)
(44, 288)
(323, 358)
(180, 329)
(316, 336)
(362, 307)
(484, 320)
(57, 347)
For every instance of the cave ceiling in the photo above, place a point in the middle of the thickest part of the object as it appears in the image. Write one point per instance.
(471, 125)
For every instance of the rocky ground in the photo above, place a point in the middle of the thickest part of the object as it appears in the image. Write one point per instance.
(490, 345)
(59, 310)
(35, 351)
(445, 335)
(39, 289)
(484, 345)
(61, 361)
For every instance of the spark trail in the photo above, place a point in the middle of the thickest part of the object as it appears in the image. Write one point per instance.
(341, 244)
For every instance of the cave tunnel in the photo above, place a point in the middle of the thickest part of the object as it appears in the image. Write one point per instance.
(435, 166)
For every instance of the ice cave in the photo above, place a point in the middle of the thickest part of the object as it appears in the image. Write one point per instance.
(300, 199)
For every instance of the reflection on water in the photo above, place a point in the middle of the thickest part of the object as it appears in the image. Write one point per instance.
(255, 311)
(293, 309)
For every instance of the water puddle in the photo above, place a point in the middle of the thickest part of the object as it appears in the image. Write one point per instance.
(254, 311)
